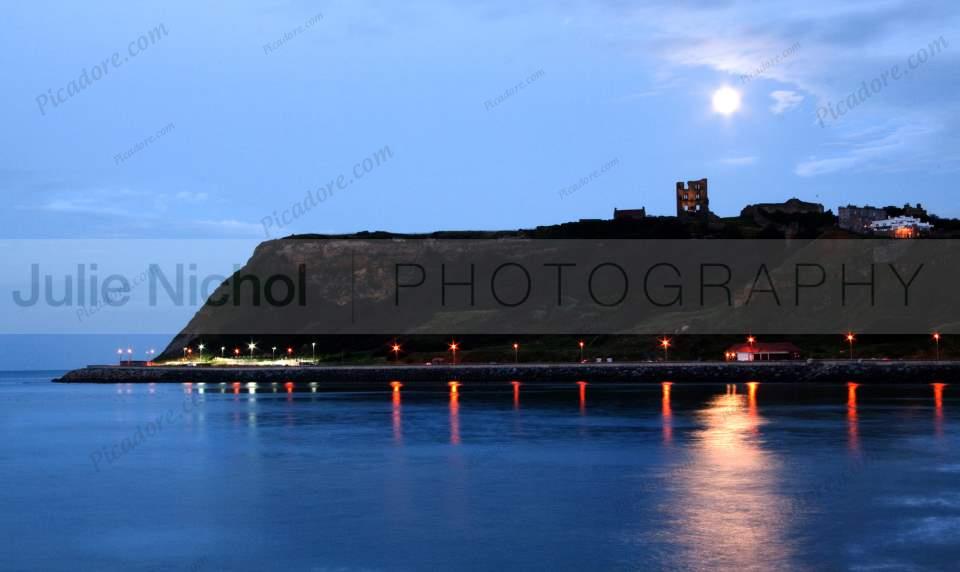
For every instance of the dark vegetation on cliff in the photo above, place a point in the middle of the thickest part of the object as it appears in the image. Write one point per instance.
(563, 348)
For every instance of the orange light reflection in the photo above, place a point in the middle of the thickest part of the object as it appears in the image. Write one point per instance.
(454, 416)
(667, 412)
(938, 407)
(853, 429)
(395, 414)
(752, 398)
(727, 506)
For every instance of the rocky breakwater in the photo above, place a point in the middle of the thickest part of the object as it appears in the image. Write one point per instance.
(363, 377)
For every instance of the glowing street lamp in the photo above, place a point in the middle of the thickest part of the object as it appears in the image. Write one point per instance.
(516, 352)
(222, 349)
(120, 353)
(580, 343)
(313, 349)
(200, 347)
(236, 352)
(251, 346)
(665, 344)
(850, 339)
(273, 352)
(936, 340)
(751, 340)
(129, 355)
(185, 354)
(289, 353)
(453, 348)
(395, 348)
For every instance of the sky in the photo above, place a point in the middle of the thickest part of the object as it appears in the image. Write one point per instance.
(182, 120)
(254, 122)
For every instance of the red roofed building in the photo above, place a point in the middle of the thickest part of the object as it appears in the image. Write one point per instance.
(761, 351)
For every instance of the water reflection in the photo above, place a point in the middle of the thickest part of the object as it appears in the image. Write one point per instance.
(728, 511)
(516, 394)
(667, 412)
(583, 396)
(853, 429)
(938, 408)
(752, 396)
(395, 414)
(454, 416)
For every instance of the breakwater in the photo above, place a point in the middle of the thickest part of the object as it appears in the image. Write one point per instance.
(373, 377)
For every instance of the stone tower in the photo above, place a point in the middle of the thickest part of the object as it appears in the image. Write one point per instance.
(692, 200)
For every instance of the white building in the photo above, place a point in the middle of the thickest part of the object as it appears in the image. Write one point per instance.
(900, 226)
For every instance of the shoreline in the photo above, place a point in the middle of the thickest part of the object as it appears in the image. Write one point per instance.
(345, 377)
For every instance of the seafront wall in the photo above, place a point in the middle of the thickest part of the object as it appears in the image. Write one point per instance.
(364, 377)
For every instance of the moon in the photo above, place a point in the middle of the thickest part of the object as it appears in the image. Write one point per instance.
(726, 100)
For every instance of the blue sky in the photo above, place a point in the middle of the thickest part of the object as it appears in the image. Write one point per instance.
(491, 110)
(255, 129)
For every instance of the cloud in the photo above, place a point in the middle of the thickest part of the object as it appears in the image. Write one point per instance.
(97, 202)
(737, 161)
(132, 212)
(191, 197)
(896, 146)
(839, 45)
(231, 226)
(784, 100)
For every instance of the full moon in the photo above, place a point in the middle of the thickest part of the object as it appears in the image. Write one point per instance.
(726, 100)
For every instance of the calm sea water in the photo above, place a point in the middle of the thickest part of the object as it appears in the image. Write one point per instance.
(171, 477)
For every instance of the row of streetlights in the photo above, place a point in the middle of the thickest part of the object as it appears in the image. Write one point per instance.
(850, 337)
(453, 346)
(129, 354)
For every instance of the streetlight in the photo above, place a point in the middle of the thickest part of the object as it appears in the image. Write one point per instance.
(120, 353)
(129, 355)
(200, 347)
(516, 352)
(395, 348)
(850, 339)
(580, 343)
(273, 352)
(185, 354)
(251, 346)
(936, 339)
(453, 348)
(665, 344)
(236, 352)
(313, 349)
(150, 353)
(751, 340)
(222, 349)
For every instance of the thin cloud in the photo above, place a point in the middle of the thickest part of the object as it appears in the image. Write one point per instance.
(895, 147)
(784, 100)
(738, 161)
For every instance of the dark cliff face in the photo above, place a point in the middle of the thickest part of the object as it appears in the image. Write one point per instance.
(347, 294)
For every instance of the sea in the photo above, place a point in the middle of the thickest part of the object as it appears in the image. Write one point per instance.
(264, 476)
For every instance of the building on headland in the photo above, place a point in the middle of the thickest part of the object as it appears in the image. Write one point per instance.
(900, 227)
(761, 351)
(858, 219)
(916, 212)
(791, 206)
(630, 214)
(692, 199)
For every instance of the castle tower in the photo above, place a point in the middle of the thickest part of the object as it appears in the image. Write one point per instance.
(692, 200)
